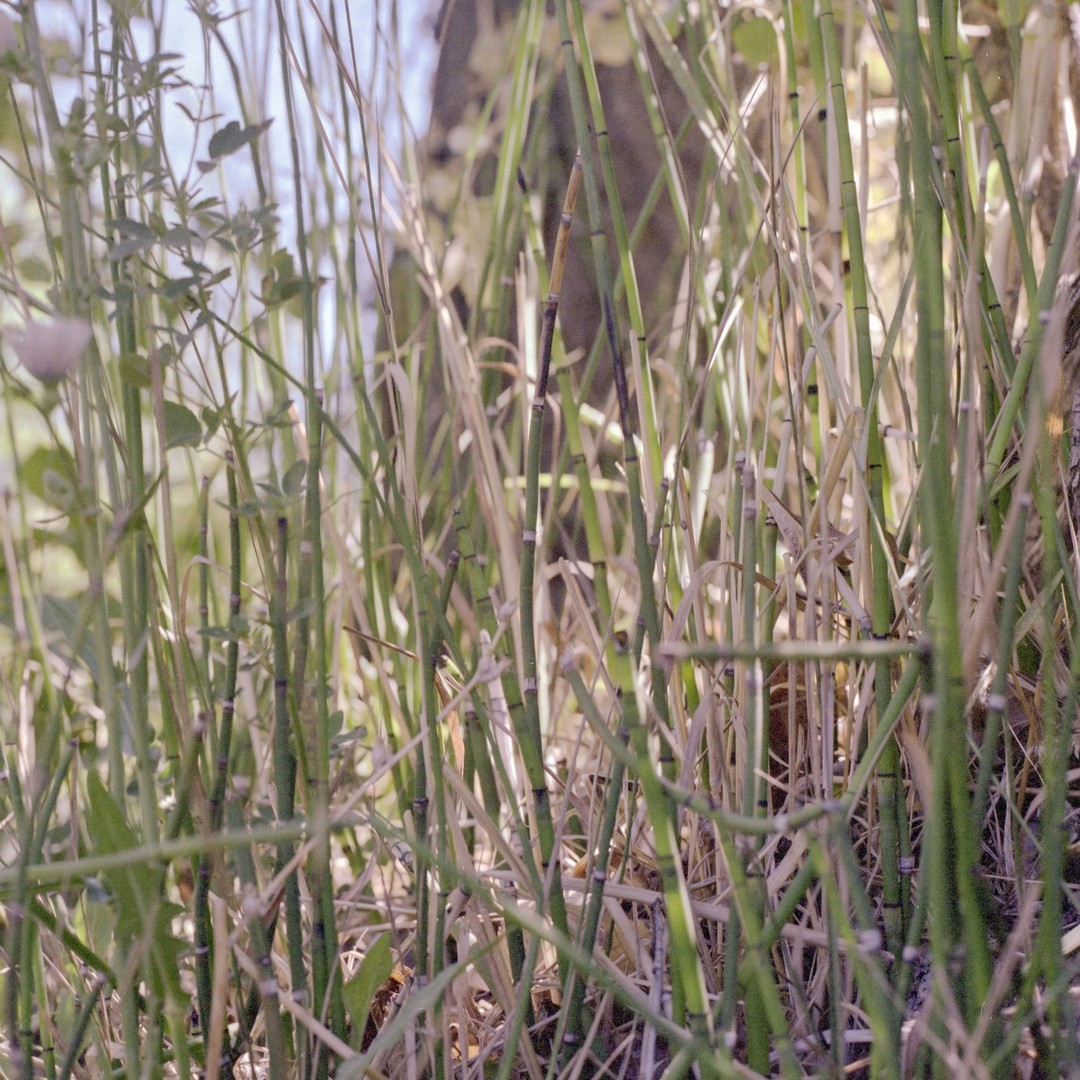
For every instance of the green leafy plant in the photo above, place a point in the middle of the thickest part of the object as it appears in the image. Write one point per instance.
(563, 595)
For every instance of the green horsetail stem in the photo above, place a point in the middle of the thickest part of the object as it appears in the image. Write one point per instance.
(530, 735)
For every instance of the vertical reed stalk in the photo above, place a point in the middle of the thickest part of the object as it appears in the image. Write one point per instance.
(530, 734)
(285, 786)
(221, 743)
(952, 852)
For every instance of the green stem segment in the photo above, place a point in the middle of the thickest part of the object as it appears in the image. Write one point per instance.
(530, 735)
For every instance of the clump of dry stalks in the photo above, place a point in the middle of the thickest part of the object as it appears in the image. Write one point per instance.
(687, 684)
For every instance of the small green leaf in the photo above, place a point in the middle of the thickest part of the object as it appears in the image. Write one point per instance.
(293, 482)
(34, 269)
(359, 992)
(177, 236)
(218, 278)
(134, 238)
(280, 282)
(66, 618)
(135, 369)
(212, 418)
(131, 228)
(182, 427)
(122, 249)
(48, 470)
(755, 40)
(59, 491)
(280, 415)
(137, 890)
(177, 289)
(233, 137)
(282, 263)
(250, 509)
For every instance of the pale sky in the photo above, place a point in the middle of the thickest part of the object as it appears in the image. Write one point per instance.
(250, 30)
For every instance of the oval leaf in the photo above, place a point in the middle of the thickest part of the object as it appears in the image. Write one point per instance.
(182, 427)
(359, 992)
(233, 137)
(755, 40)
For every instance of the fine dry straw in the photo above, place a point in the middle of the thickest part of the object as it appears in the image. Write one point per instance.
(394, 690)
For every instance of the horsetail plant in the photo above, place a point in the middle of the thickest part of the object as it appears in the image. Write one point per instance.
(531, 743)
(439, 638)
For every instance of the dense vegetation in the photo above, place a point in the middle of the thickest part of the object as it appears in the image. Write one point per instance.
(399, 680)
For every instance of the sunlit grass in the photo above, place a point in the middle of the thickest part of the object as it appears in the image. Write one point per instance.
(401, 680)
